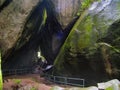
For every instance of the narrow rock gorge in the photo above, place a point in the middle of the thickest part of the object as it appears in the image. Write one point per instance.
(78, 38)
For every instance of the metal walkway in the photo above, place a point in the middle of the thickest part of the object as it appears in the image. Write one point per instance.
(66, 80)
(8, 72)
(56, 79)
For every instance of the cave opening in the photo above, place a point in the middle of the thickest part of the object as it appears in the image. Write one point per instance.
(42, 33)
(85, 53)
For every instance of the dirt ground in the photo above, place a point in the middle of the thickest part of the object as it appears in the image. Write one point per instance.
(26, 82)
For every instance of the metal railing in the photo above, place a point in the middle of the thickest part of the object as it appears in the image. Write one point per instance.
(56, 79)
(7, 72)
(66, 80)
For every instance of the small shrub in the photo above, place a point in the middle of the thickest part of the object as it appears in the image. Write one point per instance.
(17, 81)
(33, 88)
(109, 88)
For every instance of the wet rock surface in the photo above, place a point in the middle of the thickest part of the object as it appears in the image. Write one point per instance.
(88, 51)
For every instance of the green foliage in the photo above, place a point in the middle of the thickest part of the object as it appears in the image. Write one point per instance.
(44, 16)
(78, 14)
(17, 81)
(87, 3)
(1, 83)
(84, 5)
(85, 39)
(33, 88)
(109, 88)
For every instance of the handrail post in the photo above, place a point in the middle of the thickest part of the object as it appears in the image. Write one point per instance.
(65, 80)
(83, 82)
(49, 77)
(15, 72)
(54, 79)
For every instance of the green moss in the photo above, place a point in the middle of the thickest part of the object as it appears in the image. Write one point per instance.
(77, 40)
(33, 88)
(44, 16)
(83, 39)
(109, 88)
(17, 81)
(87, 3)
(118, 4)
(1, 83)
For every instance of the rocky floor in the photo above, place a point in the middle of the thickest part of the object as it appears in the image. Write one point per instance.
(35, 82)
(28, 82)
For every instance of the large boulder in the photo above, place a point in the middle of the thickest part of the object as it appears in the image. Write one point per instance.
(12, 21)
(42, 33)
(110, 85)
(92, 49)
(65, 10)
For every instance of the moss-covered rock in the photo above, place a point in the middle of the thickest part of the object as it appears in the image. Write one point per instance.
(86, 52)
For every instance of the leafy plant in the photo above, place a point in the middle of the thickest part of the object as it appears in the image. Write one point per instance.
(84, 5)
(109, 88)
(17, 81)
(33, 88)
(87, 3)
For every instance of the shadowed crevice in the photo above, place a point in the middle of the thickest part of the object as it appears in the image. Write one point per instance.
(5, 4)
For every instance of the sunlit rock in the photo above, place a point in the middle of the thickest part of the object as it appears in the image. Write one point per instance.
(112, 85)
(66, 10)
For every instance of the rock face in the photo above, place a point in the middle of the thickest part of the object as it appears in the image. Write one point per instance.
(1, 2)
(14, 16)
(41, 33)
(65, 10)
(92, 49)
(12, 21)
